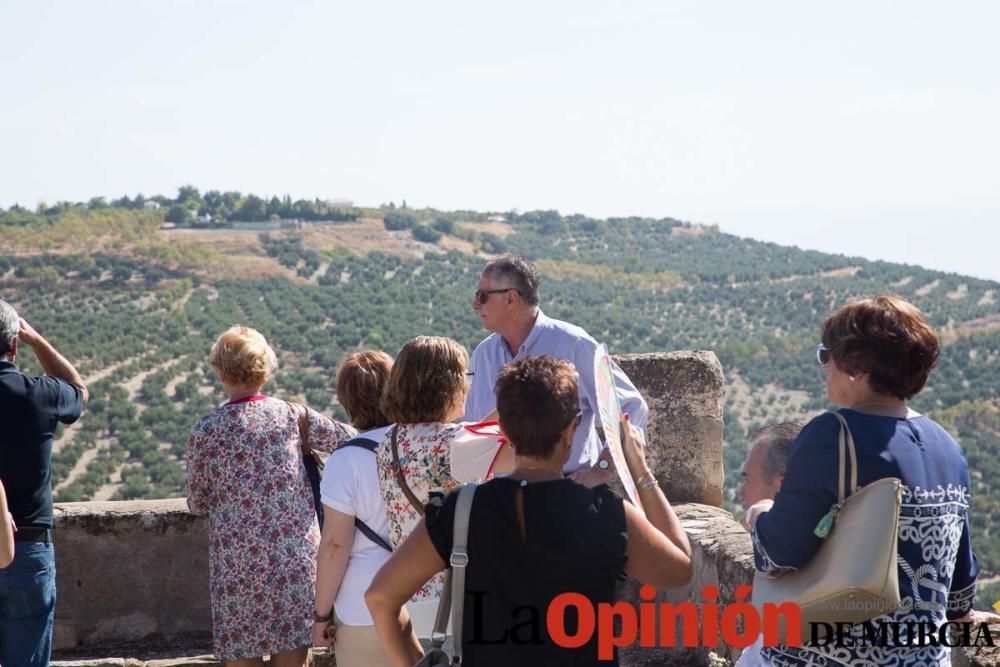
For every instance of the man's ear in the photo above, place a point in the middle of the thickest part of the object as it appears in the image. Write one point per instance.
(13, 349)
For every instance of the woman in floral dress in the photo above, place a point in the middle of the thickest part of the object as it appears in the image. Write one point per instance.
(245, 473)
(425, 393)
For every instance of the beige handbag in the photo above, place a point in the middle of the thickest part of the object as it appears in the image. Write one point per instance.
(853, 577)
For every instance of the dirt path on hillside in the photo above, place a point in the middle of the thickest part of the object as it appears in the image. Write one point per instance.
(67, 435)
(171, 389)
(844, 272)
(181, 302)
(319, 273)
(134, 384)
(81, 464)
(108, 490)
(97, 376)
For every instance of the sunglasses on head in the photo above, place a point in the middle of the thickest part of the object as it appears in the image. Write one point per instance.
(483, 294)
(823, 354)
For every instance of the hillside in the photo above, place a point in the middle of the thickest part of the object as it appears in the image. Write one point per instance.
(137, 307)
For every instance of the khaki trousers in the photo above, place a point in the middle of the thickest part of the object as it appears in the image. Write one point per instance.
(359, 646)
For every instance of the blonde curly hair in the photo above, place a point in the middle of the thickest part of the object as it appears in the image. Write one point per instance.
(241, 356)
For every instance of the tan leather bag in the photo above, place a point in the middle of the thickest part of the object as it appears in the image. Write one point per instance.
(853, 577)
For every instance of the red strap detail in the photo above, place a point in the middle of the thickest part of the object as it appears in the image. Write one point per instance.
(249, 399)
(491, 428)
(503, 443)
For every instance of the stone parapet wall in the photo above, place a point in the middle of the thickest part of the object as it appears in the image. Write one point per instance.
(131, 573)
(133, 576)
(133, 582)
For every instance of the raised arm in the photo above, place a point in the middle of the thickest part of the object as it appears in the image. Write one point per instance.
(783, 537)
(326, 434)
(50, 360)
(658, 549)
(410, 567)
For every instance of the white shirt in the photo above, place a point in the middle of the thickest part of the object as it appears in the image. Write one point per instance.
(563, 341)
(350, 485)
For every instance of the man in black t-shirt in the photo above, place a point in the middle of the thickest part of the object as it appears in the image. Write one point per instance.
(30, 408)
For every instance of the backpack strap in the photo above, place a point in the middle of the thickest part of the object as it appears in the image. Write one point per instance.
(364, 443)
(366, 530)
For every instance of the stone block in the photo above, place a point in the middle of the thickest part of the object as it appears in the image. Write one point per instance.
(684, 391)
(129, 572)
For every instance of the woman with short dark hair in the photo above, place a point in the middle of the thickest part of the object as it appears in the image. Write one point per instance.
(349, 558)
(877, 353)
(534, 534)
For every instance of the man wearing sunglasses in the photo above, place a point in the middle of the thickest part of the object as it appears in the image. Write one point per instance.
(506, 301)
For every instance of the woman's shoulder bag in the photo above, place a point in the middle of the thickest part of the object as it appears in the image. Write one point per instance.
(853, 577)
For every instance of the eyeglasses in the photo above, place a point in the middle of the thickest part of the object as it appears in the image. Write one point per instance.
(823, 354)
(483, 294)
(577, 419)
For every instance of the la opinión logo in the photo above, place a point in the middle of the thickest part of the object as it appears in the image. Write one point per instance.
(572, 621)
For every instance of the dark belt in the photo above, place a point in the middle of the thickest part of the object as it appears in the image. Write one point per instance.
(33, 534)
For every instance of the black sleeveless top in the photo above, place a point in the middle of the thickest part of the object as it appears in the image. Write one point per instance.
(574, 542)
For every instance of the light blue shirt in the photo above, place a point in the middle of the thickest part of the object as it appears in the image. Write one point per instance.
(564, 341)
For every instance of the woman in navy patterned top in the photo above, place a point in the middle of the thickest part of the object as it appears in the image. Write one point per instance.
(877, 353)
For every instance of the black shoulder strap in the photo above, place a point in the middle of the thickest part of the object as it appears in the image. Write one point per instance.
(372, 535)
(371, 446)
(366, 443)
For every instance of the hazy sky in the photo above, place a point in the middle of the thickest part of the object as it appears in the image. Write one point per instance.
(869, 128)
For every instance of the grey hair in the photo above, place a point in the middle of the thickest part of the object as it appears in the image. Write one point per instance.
(10, 327)
(516, 271)
(779, 439)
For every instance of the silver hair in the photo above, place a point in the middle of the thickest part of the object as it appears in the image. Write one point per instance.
(778, 438)
(10, 326)
(518, 272)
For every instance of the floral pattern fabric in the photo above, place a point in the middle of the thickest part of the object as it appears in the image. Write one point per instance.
(245, 473)
(425, 457)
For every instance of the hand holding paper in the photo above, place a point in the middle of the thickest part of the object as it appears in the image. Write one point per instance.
(610, 415)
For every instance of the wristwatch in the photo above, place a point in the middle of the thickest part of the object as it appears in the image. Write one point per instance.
(603, 464)
(322, 619)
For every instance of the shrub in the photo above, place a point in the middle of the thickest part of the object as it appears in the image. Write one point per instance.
(398, 220)
(426, 234)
